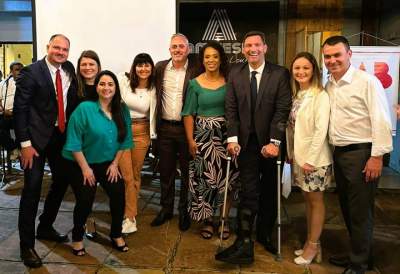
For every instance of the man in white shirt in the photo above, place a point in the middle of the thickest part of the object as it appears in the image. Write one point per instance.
(360, 132)
(172, 77)
(7, 92)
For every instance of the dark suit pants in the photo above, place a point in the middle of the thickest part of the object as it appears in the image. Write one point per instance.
(85, 196)
(32, 188)
(357, 200)
(172, 146)
(258, 186)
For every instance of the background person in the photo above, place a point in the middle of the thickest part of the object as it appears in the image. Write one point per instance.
(139, 94)
(205, 128)
(308, 148)
(97, 134)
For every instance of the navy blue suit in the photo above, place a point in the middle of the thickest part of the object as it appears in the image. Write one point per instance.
(35, 114)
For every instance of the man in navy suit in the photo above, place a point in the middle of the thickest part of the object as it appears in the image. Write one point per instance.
(45, 97)
(257, 106)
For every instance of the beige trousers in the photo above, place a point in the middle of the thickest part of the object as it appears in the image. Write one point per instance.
(131, 164)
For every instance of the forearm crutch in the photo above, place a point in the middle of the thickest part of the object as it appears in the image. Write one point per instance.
(228, 166)
(278, 165)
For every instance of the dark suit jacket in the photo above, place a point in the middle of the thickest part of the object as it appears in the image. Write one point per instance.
(192, 71)
(272, 106)
(35, 103)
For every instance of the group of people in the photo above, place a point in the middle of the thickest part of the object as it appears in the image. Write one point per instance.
(97, 127)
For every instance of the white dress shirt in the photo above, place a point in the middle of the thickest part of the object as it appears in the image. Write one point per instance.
(359, 112)
(173, 92)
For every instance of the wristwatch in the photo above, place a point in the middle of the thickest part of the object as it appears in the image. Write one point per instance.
(275, 142)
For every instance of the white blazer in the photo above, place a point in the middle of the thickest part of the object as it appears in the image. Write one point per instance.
(125, 87)
(310, 141)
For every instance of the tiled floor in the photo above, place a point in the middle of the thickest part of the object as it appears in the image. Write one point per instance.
(167, 250)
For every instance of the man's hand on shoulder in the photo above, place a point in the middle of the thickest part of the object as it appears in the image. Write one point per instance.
(27, 154)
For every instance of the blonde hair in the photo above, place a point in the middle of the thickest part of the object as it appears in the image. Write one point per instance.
(316, 83)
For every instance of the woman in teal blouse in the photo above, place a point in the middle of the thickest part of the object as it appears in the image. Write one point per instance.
(98, 132)
(206, 134)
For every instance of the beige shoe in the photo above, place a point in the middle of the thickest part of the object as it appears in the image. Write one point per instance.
(129, 226)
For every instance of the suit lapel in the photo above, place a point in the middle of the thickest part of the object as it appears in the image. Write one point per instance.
(266, 75)
(245, 79)
(47, 78)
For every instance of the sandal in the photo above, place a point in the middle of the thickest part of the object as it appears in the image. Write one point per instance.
(207, 231)
(226, 233)
(120, 248)
(79, 252)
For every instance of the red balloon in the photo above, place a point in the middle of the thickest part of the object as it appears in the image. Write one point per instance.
(385, 79)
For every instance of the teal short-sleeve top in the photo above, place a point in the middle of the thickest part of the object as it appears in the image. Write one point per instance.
(203, 101)
(92, 132)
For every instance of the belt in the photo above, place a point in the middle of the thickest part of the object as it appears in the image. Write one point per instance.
(352, 147)
(139, 120)
(172, 122)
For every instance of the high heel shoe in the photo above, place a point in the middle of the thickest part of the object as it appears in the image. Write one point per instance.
(298, 252)
(90, 229)
(121, 248)
(300, 260)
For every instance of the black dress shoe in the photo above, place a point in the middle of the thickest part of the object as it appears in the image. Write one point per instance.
(30, 257)
(340, 260)
(161, 218)
(268, 245)
(344, 261)
(353, 271)
(51, 235)
(184, 221)
(241, 252)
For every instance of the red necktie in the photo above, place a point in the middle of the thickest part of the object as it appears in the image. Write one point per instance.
(60, 102)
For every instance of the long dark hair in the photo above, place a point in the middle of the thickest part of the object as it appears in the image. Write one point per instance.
(141, 58)
(81, 81)
(223, 68)
(116, 105)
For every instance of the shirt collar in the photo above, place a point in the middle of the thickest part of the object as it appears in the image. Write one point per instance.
(259, 69)
(52, 68)
(171, 67)
(347, 77)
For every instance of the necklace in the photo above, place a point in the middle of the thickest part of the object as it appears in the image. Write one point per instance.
(211, 80)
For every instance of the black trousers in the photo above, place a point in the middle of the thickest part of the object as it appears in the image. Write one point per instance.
(357, 199)
(6, 125)
(258, 176)
(32, 187)
(85, 196)
(172, 146)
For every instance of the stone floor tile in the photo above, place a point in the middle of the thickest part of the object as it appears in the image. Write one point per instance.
(124, 270)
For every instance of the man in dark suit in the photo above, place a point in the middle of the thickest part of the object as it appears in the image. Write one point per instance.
(44, 99)
(172, 77)
(257, 106)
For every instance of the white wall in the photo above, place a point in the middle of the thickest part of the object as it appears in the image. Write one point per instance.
(117, 30)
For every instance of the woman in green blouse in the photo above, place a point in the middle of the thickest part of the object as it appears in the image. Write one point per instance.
(98, 132)
(206, 134)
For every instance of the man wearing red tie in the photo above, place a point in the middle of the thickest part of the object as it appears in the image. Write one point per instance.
(46, 94)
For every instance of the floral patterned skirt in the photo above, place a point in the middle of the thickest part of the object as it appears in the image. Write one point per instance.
(315, 181)
(207, 172)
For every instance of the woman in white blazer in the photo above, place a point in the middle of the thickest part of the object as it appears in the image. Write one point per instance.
(308, 148)
(139, 94)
